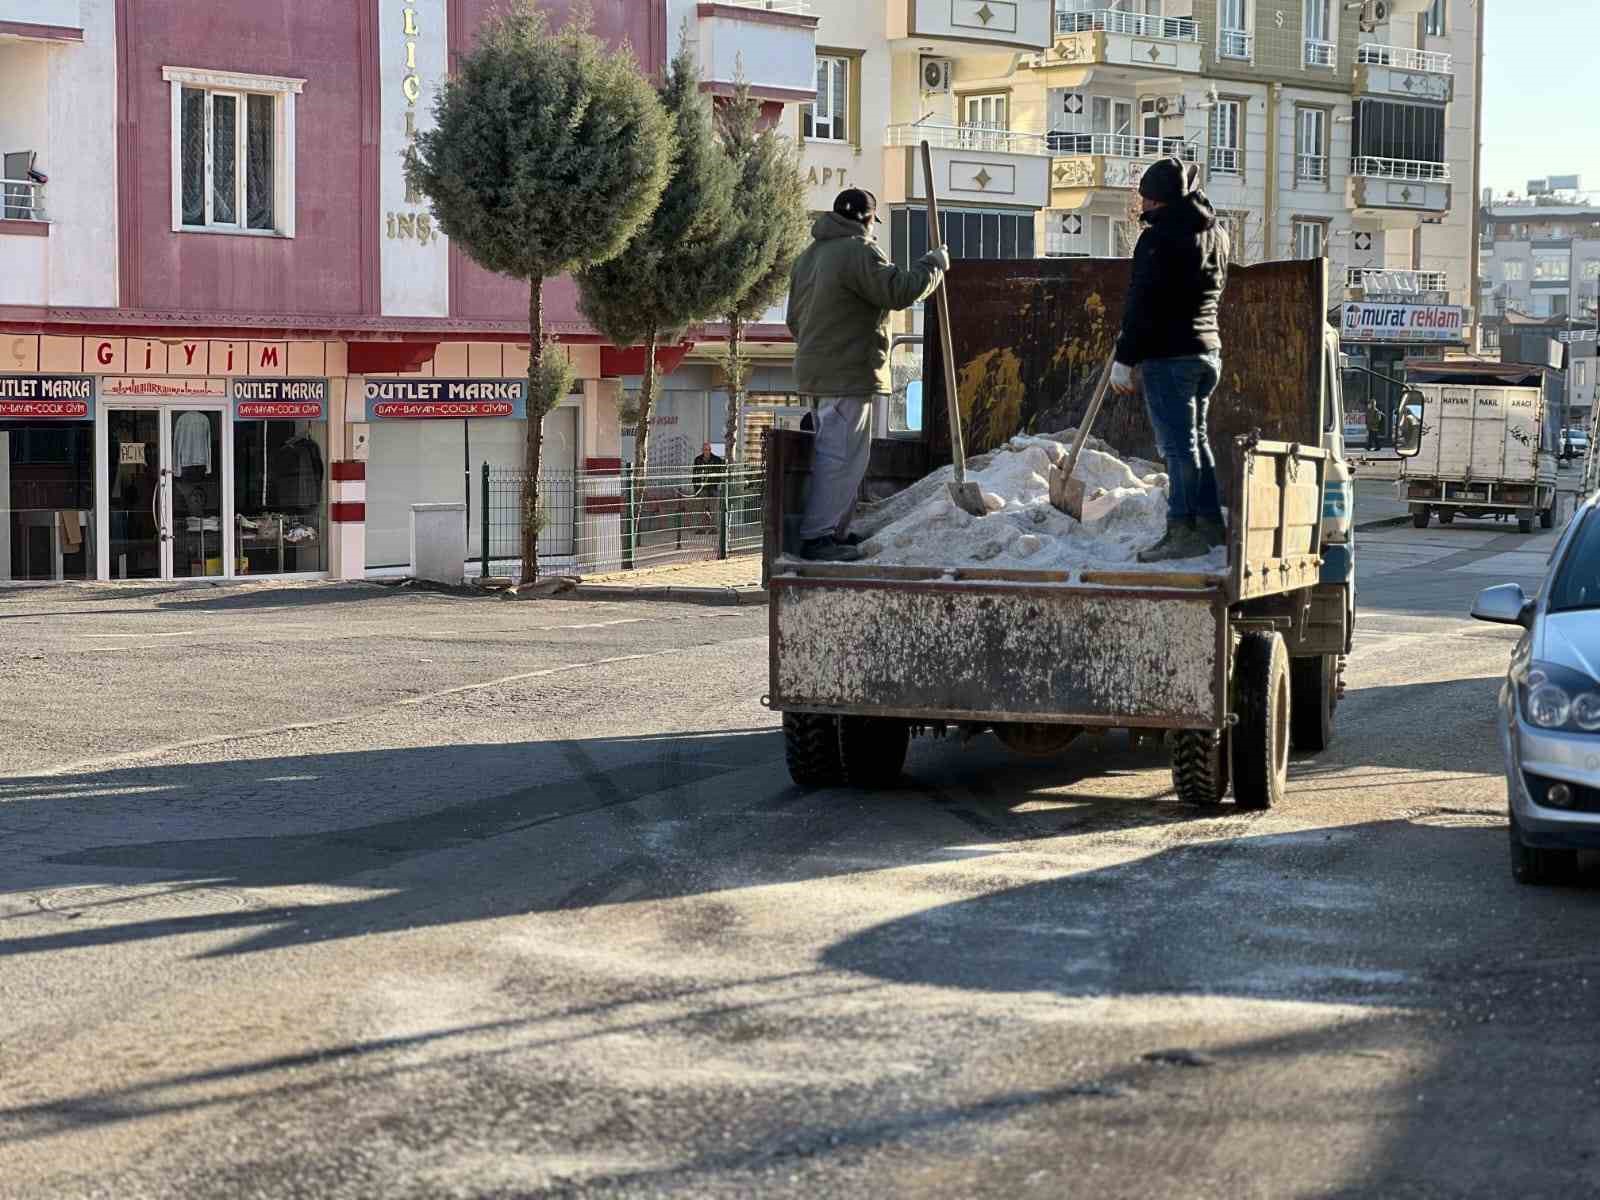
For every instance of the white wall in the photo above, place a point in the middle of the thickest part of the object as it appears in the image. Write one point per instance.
(415, 268)
(830, 167)
(44, 12)
(82, 162)
(1448, 246)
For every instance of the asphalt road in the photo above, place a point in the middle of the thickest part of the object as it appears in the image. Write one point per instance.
(351, 892)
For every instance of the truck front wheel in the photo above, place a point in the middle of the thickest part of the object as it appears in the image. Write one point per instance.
(811, 748)
(1262, 705)
(872, 750)
(1419, 515)
(1524, 522)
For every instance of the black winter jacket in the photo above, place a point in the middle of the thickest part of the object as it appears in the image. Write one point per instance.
(1180, 266)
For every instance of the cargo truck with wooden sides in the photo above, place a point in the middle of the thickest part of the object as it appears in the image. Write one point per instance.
(1234, 665)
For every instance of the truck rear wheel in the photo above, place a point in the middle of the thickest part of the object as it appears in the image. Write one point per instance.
(1447, 516)
(1547, 519)
(1524, 522)
(872, 750)
(1313, 688)
(1419, 516)
(1261, 736)
(1200, 766)
(811, 748)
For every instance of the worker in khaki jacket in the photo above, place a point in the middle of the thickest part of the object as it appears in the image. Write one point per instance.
(841, 292)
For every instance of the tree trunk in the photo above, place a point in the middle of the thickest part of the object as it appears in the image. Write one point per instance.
(736, 385)
(641, 437)
(535, 439)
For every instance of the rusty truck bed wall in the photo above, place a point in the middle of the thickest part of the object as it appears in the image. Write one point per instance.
(1030, 338)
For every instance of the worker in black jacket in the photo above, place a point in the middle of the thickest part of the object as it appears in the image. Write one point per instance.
(1169, 331)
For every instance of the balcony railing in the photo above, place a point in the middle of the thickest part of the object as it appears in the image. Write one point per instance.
(1226, 160)
(803, 7)
(966, 137)
(1403, 57)
(1235, 43)
(1172, 29)
(1121, 145)
(1376, 279)
(1321, 54)
(1311, 167)
(21, 200)
(1065, 245)
(1372, 167)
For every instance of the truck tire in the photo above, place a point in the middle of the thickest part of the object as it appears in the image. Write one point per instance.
(1524, 522)
(1261, 736)
(1547, 519)
(1200, 766)
(1419, 516)
(811, 748)
(1447, 516)
(1313, 688)
(872, 750)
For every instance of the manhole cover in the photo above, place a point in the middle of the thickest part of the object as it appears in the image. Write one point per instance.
(116, 903)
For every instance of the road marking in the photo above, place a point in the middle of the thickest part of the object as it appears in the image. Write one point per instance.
(178, 633)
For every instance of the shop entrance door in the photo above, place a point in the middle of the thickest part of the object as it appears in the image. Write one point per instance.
(168, 509)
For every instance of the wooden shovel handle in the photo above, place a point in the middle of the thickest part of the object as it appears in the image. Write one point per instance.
(958, 450)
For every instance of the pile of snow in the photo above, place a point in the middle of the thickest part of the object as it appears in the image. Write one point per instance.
(1124, 511)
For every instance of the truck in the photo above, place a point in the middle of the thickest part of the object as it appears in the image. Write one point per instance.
(1233, 666)
(1488, 444)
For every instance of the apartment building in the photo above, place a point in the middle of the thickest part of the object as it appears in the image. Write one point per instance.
(232, 341)
(1541, 253)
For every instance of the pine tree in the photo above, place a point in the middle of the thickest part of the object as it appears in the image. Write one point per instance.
(677, 269)
(548, 153)
(773, 226)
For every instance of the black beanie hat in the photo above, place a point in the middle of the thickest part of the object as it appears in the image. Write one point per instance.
(858, 204)
(1166, 180)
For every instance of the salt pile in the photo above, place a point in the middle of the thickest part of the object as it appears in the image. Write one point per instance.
(1124, 511)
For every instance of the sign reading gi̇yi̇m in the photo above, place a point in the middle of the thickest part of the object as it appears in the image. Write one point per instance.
(445, 399)
(1403, 323)
(47, 397)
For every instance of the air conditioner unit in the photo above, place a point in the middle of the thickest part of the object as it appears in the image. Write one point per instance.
(1170, 106)
(936, 74)
(1373, 14)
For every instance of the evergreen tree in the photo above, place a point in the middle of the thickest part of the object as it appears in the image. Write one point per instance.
(773, 228)
(677, 269)
(549, 151)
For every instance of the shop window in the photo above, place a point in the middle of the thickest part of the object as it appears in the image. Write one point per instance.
(232, 152)
(280, 496)
(46, 500)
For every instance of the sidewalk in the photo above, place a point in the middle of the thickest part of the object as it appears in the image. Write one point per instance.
(714, 581)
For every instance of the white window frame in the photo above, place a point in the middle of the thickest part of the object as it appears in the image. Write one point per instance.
(1227, 157)
(1590, 269)
(1513, 271)
(1235, 40)
(1546, 264)
(1298, 226)
(283, 90)
(1311, 165)
(1434, 20)
(837, 69)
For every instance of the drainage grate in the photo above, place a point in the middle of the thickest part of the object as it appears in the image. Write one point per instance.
(114, 904)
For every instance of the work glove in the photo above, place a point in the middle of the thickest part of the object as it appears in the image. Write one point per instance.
(1122, 379)
(939, 257)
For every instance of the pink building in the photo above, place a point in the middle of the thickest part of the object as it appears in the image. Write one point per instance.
(230, 342)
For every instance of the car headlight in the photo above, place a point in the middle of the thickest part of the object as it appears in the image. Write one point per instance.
(1555, 697)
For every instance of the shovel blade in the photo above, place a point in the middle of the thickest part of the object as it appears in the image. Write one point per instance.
(1066, 493)
(968, 497)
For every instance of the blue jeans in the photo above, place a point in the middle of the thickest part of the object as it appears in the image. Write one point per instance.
(1177, 393)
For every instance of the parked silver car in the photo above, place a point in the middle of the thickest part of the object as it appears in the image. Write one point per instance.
(1550, 705)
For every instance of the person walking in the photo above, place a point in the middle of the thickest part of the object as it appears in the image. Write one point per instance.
(841, 292)
(1169, 331)
(706, 483)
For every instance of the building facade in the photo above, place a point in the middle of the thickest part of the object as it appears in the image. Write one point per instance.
(1541, 256)
(232, 341)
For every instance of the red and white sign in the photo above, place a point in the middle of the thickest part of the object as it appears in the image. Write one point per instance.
(146, 388)
(1403, 323)
(47, 397)
(278, 410)
(423, 410)
(61, 410)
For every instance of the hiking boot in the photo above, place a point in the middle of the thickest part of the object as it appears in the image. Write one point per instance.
(1212, 531)
(827, 549)
(1180, 541)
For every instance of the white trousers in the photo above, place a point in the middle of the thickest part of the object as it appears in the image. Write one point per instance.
(839, 463)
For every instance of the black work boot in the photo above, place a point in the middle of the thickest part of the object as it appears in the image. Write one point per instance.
(1180, 541)
(1212, 531)
(827, 549)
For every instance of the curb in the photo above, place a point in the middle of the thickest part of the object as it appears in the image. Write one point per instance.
(1384, 523)
(716, 596)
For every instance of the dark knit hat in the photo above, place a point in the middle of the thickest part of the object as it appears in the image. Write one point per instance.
(1167, 180)
(858, 204)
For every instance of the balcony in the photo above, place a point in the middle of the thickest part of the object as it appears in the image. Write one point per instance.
(1431, 286)
(1402, 72)
(1066, 245)
(1321, 54)
(973, 25)
(1110, 37)
(1378, 184)
(21, 200)
(770, 44)
(1235, 44)
(971, 165)
(1110, 160)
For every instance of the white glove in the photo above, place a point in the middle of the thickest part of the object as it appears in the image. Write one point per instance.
(939, 257)
(1122, 379)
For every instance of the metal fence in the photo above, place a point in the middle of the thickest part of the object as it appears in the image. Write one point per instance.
(603, 521)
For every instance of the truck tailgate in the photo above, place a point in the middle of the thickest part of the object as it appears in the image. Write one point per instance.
(991, 650)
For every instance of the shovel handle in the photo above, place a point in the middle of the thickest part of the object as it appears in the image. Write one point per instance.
(1089, 416)
(958, 450)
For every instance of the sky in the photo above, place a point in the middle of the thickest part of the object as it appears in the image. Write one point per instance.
(1541, 91)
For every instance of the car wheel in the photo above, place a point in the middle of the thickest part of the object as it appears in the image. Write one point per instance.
(1534, 866)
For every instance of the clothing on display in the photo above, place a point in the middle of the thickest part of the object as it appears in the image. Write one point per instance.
(297, 473)
(191, 442)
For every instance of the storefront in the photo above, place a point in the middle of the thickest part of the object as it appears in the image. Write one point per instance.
(1378, 338)
(47, 517)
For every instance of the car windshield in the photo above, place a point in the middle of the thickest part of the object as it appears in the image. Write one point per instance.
(1577, 579)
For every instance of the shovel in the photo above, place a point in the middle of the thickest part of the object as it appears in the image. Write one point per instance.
(964, 494)
(1066, 493)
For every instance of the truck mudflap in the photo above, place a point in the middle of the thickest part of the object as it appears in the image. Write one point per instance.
(963, 649)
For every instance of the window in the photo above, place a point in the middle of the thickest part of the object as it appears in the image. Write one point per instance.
(968, 232)
(1398, 139)
(982, 115)
(280, 495)
(1320, 50)
(1513, 271)
(1591, 269)
(1225, 139)
(232, 151)
(1233, 29)
(1233, 223)
(1311, 145)
(1309, 239)
(1550, 266)
(1434, 21)
(827, 120)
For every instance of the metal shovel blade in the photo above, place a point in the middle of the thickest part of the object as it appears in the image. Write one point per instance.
(968, 497)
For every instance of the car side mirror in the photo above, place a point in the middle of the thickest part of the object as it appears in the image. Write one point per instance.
(1408, 424)
(1504, 604)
